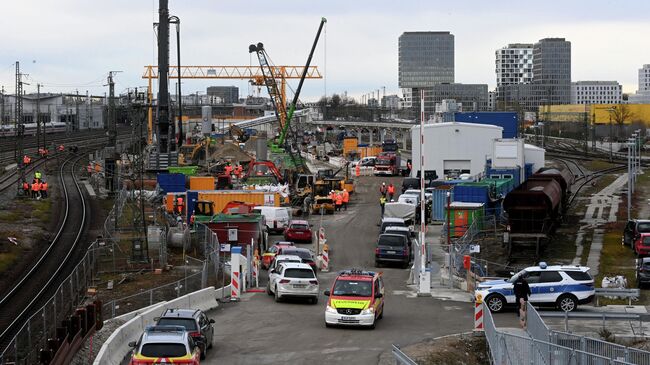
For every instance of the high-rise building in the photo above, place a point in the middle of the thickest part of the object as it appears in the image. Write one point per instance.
(514, 64)
(551, 79)
(642, 95)
(425, 59)
(596, 92)
(228, 94)
(473, 97)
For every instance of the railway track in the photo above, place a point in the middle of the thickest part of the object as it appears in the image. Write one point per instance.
(37, 286)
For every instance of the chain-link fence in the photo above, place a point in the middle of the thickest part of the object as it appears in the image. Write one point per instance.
(44, 323)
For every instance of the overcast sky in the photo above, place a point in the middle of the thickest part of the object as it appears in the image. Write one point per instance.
(70, 45)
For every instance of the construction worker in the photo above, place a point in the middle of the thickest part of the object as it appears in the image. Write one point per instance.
(60, 148)
(391, 191)
(25, 188)
(338, 201)
(35, 190)
(26, 160)
(346, 199)
(306, 206)
(44, 189)
(238, 171)
(382, 203)
(357, 170)
(38, 176)
(179, 205)
(382, 189)
(228, 169)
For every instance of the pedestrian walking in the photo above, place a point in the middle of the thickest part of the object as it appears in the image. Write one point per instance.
(382, 189)
(391, 191)
(346, 199)
(382, 203)
(522, 292)
(306, 206)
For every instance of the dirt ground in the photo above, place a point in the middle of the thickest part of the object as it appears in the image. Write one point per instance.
(462, 349)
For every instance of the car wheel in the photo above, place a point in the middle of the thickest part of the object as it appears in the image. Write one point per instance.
(277, 296)
(373, 325)
(567, 303)
(327, 325)
(381, 314)
(377, 264)
(211, 344)
(496, 303)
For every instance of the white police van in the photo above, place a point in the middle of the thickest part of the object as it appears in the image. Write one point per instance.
(561, 286)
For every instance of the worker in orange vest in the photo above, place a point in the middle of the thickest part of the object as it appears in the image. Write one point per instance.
(60, 148)
(357, 170)
(179, 205)
(25, 188)
(391, 191)
(44, 189)
(339, 201)
(35, 189)
(26, 160)
(228, 169)
(346, 199)
(238, 171)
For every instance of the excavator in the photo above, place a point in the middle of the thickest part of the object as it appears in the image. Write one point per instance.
(281, 145)
(189, 153)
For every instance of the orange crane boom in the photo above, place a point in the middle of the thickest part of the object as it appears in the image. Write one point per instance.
(226, 72)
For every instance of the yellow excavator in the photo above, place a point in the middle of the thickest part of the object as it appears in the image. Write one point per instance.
(189, 153)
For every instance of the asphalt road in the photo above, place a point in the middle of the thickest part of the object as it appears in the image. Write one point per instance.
(259, 331)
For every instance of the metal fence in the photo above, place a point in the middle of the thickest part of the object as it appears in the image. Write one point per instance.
(42, 325)
(513, 349)
(537, 329)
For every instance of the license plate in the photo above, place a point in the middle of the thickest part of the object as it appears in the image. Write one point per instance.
(299, 285)
(391, 252)
(347, 318)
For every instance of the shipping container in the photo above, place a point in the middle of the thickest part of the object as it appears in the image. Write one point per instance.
(462, 215)
(514, 173)
(171, 183)
(185, 170)
(222, 197)
(201, 183)
(350, 146)
(439, 201)
(509, 121)
(369, 151)
(246, 227)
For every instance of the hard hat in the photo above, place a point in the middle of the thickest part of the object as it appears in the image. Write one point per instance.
(384, 183)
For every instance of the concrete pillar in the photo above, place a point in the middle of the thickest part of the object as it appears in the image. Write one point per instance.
(359, 135)
(382, 134)
(371, 132)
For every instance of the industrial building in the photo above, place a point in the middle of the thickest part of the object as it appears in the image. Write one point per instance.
(77, 111)
(227, 94)
(596, 113)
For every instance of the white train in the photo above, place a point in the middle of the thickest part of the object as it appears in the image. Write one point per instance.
(30, 129)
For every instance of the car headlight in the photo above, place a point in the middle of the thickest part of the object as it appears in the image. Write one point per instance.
(370, 310)
(330, 309)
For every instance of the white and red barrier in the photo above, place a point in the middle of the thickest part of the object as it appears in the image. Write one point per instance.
(478, 315)
(325, 267)
(235, 274)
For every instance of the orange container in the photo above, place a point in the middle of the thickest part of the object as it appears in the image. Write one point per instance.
(202, 183)
(220, 198)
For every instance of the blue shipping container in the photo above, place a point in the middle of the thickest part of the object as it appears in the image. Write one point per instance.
(471, 194)
(509, 121)
(528, 170)
(439, 202)
(514, 173)
(171, 183)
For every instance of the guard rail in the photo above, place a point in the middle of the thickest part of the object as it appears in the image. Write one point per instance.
(618, 292)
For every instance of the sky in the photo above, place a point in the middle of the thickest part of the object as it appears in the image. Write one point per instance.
(70, 45)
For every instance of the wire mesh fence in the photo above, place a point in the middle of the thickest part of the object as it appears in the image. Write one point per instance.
(41, 326)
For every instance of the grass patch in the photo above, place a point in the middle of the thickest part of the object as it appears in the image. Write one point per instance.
(7, 259)
(41, 210)
(595, 165)
(11, 216)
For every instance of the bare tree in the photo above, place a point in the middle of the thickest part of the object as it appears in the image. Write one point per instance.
(621, 113)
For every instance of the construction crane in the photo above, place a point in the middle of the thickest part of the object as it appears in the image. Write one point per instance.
(254, 73)
(279, 104)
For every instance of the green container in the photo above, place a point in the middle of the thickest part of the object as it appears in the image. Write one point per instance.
(185, 170)
(463, 215)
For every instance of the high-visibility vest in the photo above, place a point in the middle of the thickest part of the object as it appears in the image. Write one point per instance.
(391, 189)
(35, 186)
(339, 199)
(228, 169)
(179, 202)
(37, 175)
(40, 186)
(25, 186)
(346, 196)
(44, 186)
(25, 160)
(382, 200)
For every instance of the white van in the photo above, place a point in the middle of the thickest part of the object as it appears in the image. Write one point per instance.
(277, 218)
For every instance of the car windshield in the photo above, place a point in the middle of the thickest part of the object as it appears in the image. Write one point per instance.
(643, 227)
(352, 288)
(302, 254)
(392, 224)
(163, 350)
(299, 273)
(391, 241)
(300, 226)
(188, 323)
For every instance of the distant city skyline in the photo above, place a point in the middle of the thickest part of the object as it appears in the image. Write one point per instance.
(71, 44)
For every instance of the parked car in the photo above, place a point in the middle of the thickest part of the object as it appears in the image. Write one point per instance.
(365, 161)
(356, 298)
(306, 255)
(267, 257)
(643, 271)
(427, 194)
(389, 222)
(404, 231)
(292, 279)
(410, 183)
(642, 244)
(561, 286)
(165, 344)
(195, 322)
(298, 231)
(392, 248)
(633, 229)
(278, 259)
(276, 218)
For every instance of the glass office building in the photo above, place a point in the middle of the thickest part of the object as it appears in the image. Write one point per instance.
(425, 59)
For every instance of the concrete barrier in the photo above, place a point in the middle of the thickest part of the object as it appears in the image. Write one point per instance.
(117, 347)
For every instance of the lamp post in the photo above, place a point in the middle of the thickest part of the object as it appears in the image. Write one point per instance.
(638, 132)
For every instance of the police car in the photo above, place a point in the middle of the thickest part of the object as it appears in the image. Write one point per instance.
(561, 286)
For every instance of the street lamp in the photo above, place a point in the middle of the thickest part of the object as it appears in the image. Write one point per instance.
(638, 132)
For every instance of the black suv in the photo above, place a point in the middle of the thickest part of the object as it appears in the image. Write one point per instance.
(633, 229)
(393, 248)
(195, 322)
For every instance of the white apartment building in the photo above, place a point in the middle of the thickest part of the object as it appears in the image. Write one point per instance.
(642, 95)
(596, 92)
(514, 64)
